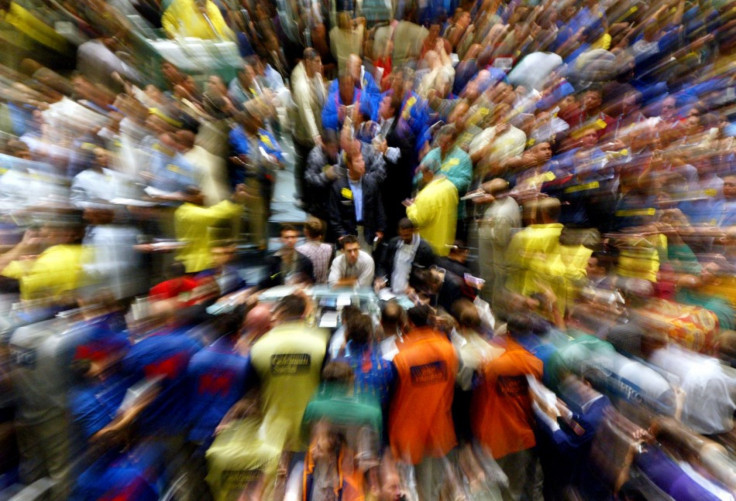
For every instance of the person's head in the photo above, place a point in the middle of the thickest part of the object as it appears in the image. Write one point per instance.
(589, 138)
(312, 62)
(222, 252)
(549, 210)
(257, 322)
(393, 317)
(216, 85)
(185, 139)
(519, 324)
(291, 307)
(331, 144)
(248, 118)
(346, 88)
(466, 314)
(390, 105)
(542, 152)
(596, 267)
(390, 485)
(355, 161)
(406, 230)
(729, 186)
(349, 313)
(434, 31)
(314, 229)
(172, 75)
(338, 373)
(359, 330)
(592, 100)
(668, 109)
(289, 236)
(351, 248)
(419, 316)
(247, 75)
(446, 137)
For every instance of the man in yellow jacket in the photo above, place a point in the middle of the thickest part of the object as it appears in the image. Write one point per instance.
(197, 19)
(434, 212)
(194, 224)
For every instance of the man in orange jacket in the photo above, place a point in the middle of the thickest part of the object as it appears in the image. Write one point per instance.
(501, 414)
(420, 417)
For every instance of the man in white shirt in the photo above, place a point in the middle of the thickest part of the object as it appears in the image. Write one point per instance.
(353, 267)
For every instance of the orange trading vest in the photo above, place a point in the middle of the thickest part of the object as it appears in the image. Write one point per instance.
(501, 411)
(420, 418)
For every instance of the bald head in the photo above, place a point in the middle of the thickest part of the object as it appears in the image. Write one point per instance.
(258, 321)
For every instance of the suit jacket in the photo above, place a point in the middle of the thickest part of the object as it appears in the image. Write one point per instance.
(342, 209)
(275, 276)
(423, 257)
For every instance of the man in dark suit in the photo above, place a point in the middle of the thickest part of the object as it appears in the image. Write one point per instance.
(400, 256)
(355, 206)
(286, 265)
(398, 152)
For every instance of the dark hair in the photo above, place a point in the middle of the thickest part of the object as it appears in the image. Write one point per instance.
(337, 372)
(406, 224)
(359, 329)
(349, 239)
(291, 306)
(310, 53)
(518, 324)
(419, 315)
(349, 313)
(392, 314)
(466, 314)
(288, 227)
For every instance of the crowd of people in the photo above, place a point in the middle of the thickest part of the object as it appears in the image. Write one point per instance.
(540, 197)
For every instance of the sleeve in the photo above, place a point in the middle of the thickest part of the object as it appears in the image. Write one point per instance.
(377, 172)
(366, 275)
(307, 267)
(301, 98)
(169, 21)
(329, 113)
(464, 175)
(380, 212)
(208, 216)
(383, 259)
(335, 213)
(420, 211)
(219, 22)
(335, 272)
(238, 142)
(78, 194)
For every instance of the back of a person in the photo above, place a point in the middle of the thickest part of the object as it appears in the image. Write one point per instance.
(420, 418)
(288, 360)
(502, 402)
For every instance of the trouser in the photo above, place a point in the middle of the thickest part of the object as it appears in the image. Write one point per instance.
(44, 451)
(300, 166)
(521, 468)
(257, 208)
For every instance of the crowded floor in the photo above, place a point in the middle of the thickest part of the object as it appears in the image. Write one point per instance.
(367, 250)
